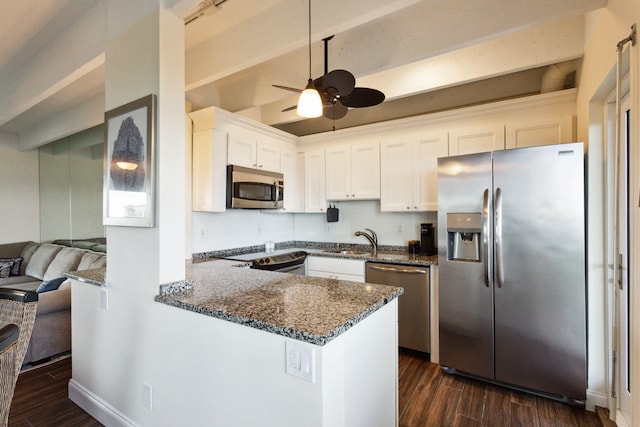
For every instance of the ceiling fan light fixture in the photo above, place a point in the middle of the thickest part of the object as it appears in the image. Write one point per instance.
(309, 104)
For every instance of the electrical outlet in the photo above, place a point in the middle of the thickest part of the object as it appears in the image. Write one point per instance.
(203, 233)
(147, 396)
(300, 361)
(401, 228)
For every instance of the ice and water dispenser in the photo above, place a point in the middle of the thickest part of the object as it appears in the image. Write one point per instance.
(463, 236)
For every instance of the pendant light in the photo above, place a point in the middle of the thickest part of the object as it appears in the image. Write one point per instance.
(310, 104)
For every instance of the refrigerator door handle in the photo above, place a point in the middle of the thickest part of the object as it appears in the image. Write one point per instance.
(498, 239)
(485, 238)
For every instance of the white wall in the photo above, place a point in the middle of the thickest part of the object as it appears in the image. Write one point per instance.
(20, 207)
(391, 228)
(241, 227)
(237, 228)
(604, 29)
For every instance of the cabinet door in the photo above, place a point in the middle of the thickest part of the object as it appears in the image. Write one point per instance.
(365, 171)
(336, 276)
(479, 140)
(425, 170)
(338, 173)
(242, 151)
(268, 157)
(396, 176)
(314, 182)
(209, 173)
(292, 200)
(554, 130)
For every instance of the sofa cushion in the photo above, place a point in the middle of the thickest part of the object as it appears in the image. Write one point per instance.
(65, 260)
(50, 285)
(92, 260)
(27, 252)
(15, 265)
(11, 281)
(27, 285)
(41, 259)
(5, 269)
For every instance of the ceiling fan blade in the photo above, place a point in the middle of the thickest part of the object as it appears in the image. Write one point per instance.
(342, 80)
(293, 107)
(334, 111)
(363, 97)
(292, 89)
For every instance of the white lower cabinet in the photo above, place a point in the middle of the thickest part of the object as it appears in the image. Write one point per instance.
(336, 268)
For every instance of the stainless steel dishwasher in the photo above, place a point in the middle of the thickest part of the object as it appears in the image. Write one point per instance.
(413, 304)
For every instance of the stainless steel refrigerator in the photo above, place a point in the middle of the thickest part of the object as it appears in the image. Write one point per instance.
(511, 263)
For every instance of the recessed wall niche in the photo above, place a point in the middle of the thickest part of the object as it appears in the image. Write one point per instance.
(71, 173)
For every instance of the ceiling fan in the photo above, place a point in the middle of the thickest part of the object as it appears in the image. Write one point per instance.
(338, 91)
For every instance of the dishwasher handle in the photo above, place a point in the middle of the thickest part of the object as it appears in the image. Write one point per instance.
(396, 270)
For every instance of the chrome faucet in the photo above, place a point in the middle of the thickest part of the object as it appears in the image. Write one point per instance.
(372, 238)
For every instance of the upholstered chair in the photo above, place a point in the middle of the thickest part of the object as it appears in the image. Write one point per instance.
(19, 307)
(8, 351)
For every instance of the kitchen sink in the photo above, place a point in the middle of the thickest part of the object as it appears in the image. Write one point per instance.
(346, 252)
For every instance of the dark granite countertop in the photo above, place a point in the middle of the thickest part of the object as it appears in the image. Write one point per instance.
(315, 310)
(386, 254)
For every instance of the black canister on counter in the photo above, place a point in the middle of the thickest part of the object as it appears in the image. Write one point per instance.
(428, 239)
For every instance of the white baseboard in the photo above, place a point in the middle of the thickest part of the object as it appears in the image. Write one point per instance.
(596, 399)
(96, 407)
(620, 420)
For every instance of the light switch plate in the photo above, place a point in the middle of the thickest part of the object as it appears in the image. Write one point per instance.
(104, 299)
(300, 361)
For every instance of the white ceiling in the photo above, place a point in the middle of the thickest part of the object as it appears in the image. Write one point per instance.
(425, 55)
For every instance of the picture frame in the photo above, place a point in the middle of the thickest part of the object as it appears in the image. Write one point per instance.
(129, 164)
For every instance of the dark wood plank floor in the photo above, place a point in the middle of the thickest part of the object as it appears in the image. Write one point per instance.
(427, 397)
(41, 399)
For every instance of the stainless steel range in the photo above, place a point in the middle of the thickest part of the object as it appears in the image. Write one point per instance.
(283, 261)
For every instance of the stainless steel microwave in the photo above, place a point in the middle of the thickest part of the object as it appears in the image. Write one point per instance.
(254, 189)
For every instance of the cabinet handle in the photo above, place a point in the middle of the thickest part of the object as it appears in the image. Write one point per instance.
(260, 166)
(255, 165)
(397, 270)
(408, 207)
(353, 195)
(415, 207)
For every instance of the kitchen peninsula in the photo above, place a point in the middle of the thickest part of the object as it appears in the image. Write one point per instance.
(231, 334)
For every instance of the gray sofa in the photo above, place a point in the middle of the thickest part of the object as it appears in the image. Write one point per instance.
(42, 263)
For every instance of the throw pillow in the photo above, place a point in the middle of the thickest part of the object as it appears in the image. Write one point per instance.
(50, 285)
(16, 262)
(5, 269)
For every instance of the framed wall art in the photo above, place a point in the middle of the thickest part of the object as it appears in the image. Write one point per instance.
(129, 170)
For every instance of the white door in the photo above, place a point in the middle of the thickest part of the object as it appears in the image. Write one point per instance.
(624, 339)
(618, 255)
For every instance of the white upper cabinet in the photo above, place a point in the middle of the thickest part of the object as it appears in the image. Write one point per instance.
(409, 173)
(315, 199)
(209, 171)
(365, 171)
(353, 172)
(425, 170)
(221, 138)
(247, 152)
(544, 131)
(293, 182)
(476, 140)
